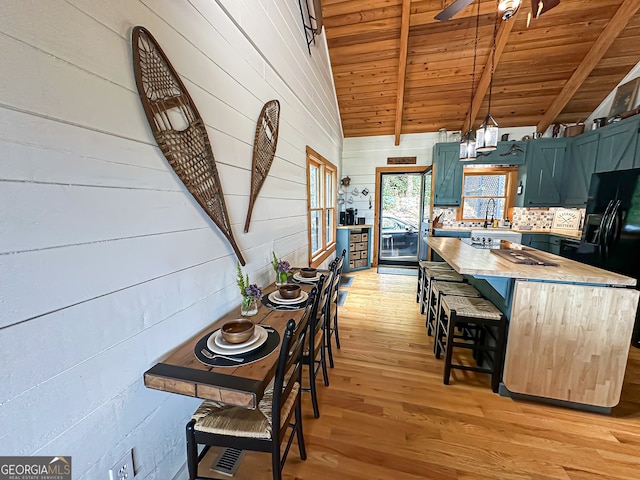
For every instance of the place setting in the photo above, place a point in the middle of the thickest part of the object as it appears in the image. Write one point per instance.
(286, 297)
(306, 275)
(237, 342)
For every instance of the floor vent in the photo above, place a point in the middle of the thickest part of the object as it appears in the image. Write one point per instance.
(228, 461)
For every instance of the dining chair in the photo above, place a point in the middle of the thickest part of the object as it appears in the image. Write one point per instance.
(332, 307)
(314, 351)
(262, 429)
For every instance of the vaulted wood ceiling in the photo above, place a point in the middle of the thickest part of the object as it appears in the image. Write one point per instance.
(559, 69)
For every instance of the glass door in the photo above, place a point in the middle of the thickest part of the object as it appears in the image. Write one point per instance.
(402, 199)
(425, 223)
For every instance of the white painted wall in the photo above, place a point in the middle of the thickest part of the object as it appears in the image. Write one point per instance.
(361, 156)
(106, 263)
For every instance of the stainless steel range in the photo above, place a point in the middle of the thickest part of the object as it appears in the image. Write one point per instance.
(490, 238)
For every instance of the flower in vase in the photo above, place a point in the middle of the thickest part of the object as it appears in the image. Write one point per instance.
(254, 291)
(283, 267)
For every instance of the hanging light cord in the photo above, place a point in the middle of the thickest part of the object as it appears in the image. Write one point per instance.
(473, 73)
(493, 59)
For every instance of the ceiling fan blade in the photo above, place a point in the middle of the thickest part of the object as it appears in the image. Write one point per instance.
(542, 6)
(453, 9)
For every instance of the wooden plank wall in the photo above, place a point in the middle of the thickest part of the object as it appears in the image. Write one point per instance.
(106, 263)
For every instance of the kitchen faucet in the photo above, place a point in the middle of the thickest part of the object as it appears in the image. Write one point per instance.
(486, 212)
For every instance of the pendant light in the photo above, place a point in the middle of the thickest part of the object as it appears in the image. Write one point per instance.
(508, 8)
(488, 132)
(468, 143)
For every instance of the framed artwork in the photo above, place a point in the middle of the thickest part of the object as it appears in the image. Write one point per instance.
(625, 98)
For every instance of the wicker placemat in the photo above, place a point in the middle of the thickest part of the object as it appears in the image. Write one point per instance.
(267, 348)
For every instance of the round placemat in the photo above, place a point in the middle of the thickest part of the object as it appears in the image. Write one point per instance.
(266, 349)
(279, 306)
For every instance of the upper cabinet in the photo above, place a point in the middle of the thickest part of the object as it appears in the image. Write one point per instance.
(448, 174)
(617, 146)
(542, 173)
(506, 153)
(580, 164)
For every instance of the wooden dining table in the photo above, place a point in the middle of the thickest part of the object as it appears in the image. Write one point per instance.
(181, 372)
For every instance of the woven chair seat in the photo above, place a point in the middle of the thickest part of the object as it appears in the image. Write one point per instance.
(445, 275)
(450, 288)
(441, 265)
(221, 419)
(470, 307)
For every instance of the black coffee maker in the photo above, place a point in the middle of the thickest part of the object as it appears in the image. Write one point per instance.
(350, 216)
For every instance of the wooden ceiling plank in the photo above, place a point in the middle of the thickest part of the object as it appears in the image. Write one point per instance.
(605, 40)
(501, 41)
(402, 66)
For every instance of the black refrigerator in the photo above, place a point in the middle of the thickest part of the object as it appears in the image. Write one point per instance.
(611, 234)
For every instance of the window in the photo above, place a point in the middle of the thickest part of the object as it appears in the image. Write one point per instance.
(487, 192)
(321, 195)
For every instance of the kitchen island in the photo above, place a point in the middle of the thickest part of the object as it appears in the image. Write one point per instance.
(570, 324)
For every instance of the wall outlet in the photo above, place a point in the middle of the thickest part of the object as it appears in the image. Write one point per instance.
(123, 470)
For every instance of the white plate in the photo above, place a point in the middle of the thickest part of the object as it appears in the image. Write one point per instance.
(300, 278)
(212, 344)
(276, 298)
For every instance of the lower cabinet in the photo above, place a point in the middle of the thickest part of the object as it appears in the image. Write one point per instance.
(356, 240)
(539, 241)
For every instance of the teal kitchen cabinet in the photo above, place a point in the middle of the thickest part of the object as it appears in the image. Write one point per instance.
(541, 175)
(580, 164)
(506, 153)
(617, 148)
(554, 244)
(448, 174)
(357, 241)
(539, 241)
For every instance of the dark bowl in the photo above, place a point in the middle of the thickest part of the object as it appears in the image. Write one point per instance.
(238, 331)
(308, 272)
(289, 291)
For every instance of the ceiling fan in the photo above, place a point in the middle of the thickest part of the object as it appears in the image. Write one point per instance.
(507, 8)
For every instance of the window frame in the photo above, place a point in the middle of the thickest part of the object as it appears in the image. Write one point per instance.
(326, 205)
(510, 188)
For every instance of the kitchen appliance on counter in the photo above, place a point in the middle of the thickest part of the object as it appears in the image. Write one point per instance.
(611, 234)
(350, 216)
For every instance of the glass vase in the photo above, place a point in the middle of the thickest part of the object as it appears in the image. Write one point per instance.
(249, 306)
(281, 278)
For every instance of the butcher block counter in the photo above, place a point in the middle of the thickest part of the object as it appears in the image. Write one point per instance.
(570, 324)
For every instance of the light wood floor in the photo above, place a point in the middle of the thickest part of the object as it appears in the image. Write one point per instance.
(388, 416)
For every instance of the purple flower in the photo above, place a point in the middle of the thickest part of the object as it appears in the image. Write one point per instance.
(283, 266)
(253, 290)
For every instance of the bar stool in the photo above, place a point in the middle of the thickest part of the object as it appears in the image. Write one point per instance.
(440, 289)
(479, 321)
(421, 273)
(432, 274)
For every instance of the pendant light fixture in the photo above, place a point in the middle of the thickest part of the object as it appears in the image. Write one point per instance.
(468, 143)
(487, 135)
(508, 8)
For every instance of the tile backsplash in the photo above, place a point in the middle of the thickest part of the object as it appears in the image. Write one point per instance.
(535, 218)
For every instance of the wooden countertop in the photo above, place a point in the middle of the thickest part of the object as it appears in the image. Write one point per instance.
(573, 234)
(355, 226)
(468, 260)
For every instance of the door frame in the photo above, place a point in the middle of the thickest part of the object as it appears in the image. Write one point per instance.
(376, 220)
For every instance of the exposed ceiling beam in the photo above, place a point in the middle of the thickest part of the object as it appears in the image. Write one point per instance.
(402, 66)
(501, 41)
(605, 40)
